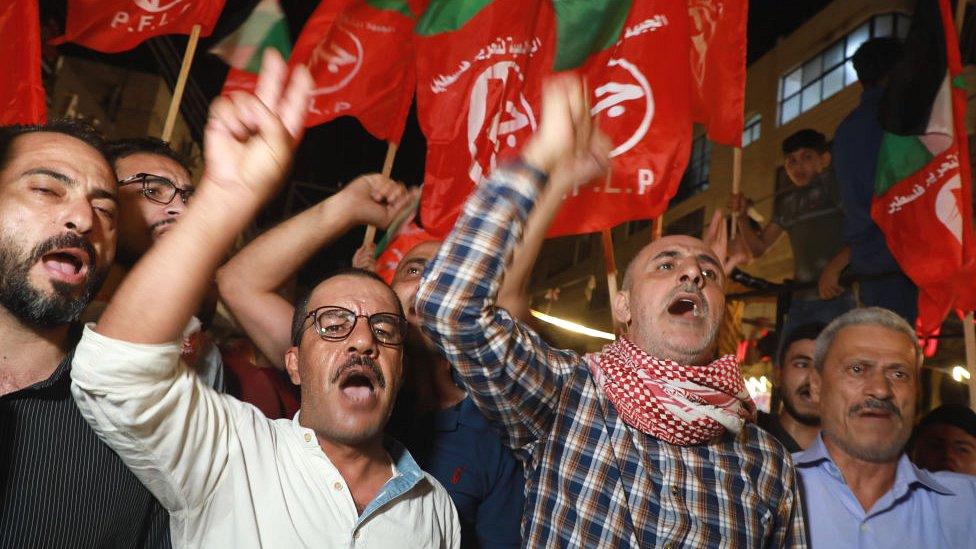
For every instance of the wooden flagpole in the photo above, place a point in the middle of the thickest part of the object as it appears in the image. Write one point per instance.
(657, 228)
(391, 149)
(174, 104)
(736, 180)
(611, 267)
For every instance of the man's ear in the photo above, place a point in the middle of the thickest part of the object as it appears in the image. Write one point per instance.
(621, 307)
(291, 365)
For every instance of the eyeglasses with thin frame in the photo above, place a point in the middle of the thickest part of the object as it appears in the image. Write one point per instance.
(157, 188)
(334, 323)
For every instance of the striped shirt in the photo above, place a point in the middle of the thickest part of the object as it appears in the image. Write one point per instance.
(593, 480)
(60, 486)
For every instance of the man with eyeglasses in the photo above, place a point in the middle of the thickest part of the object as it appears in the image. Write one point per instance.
(229, 476)
(155, 186)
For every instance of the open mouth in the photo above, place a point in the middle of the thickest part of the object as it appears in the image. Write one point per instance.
(68, 264)
(358, 384)
(687, 306)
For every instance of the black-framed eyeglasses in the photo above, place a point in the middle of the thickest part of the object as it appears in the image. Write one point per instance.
(334, 323)
(157, 188)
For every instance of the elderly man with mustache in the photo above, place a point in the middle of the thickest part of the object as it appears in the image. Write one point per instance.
(859, 488)
(229, 476)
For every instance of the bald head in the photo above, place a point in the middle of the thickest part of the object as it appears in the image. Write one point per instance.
(673, 299)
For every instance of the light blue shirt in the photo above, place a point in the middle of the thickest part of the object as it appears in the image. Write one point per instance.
(922, 509)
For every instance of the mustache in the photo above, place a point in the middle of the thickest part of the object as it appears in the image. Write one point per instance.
(158, 224)
(64, 240)
(875, 404)
(361, 360)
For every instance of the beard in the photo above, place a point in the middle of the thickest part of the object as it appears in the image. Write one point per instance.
(31, 305)
(810, 420)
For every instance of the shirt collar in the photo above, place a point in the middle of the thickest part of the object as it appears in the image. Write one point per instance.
(906, 475)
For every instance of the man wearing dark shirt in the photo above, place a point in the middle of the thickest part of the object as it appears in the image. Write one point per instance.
(60, 486)
(810, 214)
(797, 423)
(856, 145)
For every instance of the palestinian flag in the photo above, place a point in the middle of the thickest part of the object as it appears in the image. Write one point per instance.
(242, 50)
(923, 186)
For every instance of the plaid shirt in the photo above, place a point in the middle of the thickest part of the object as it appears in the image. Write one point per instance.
(592, 480)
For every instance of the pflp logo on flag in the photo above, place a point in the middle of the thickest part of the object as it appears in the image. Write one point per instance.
(149, 15)
(117, 25)
(336, 61)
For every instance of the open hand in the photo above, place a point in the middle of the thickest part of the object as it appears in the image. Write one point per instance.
(567, 137)
(249, 140)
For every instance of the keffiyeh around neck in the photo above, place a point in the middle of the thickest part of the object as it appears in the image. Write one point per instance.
(683, 405)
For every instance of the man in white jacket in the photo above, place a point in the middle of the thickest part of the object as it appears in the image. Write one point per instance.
(228, 476)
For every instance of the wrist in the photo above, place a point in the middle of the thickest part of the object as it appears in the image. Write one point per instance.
(534, 157)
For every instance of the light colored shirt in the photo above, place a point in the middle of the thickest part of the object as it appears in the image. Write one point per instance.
(229, 476)
(922, 509)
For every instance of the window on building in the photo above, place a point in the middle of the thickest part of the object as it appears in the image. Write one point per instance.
(695, 179)
(692, 224)
(831, 70)
(750, 133)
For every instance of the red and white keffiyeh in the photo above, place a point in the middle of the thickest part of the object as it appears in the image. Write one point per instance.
(683, 405)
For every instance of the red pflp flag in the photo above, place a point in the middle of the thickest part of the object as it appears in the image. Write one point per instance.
(472, 103)
(639, 96)
(21, 92)
(923, 184)
(480, 84)
(718, 67)
(118, 25)
(360, 54)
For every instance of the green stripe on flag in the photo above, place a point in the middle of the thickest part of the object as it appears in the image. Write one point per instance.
(900, 156)
(447, 15)
(392, 5)
(264, 28)
(584, 27)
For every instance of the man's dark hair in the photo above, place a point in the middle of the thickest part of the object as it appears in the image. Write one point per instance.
(804, 331)
(67, 126)
(301, 306)
(875, 59)
(805, 139)
(950, 414)
(121, 148)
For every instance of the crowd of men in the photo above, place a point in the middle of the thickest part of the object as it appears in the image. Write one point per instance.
(432, 414)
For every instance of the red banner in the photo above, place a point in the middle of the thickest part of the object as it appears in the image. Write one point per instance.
(361, 58)
(472, 102)
(118, 25)
(718, 67)
(478, 100)
(21, 93)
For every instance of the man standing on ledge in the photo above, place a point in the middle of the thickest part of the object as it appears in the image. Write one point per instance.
(644, 444)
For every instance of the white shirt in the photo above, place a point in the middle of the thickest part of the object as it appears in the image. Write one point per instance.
(229, 476)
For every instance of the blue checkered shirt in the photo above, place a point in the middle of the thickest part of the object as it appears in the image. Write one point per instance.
(592, 481)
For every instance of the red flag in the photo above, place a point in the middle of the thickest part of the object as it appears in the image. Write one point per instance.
(361, 57)
(718, 67)
(923, 184)
(21, 93)
(478, 93)
(472, 102)
(640, 98)
(118, 25)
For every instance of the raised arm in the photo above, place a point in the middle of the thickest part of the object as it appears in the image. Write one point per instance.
(511, 373)
(167, 426)
(249, 282)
